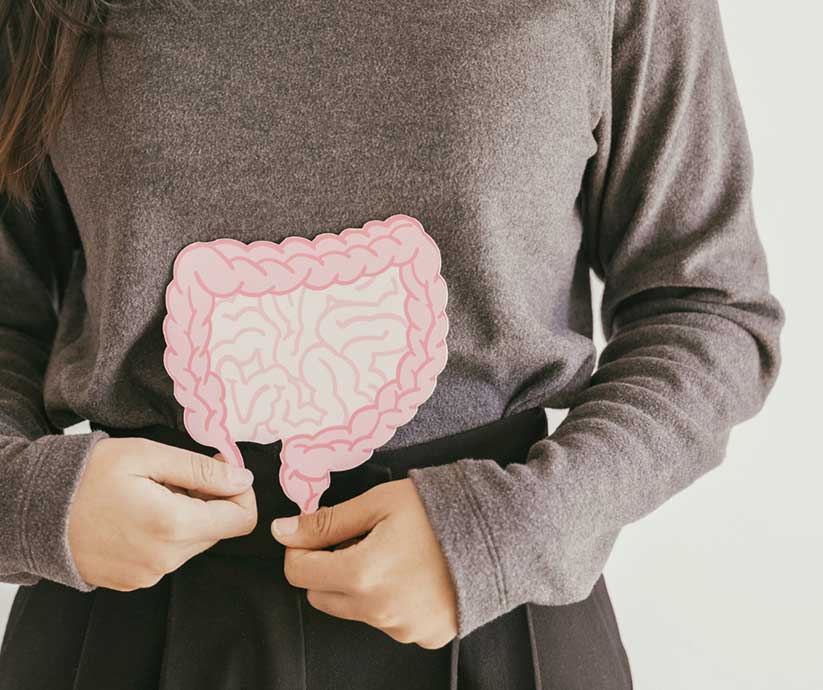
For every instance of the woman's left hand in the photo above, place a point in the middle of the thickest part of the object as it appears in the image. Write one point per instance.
(395, 578)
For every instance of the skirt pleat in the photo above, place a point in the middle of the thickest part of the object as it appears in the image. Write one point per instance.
(44, 637)
(122, 639)
(247, 629)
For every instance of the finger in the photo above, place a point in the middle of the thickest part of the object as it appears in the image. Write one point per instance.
(246, 500)
(327, 571)
(399, 633)
(330, 525)
(347, 542)
(197, 520)
(194, 493)
(190, 470)
(192, 549)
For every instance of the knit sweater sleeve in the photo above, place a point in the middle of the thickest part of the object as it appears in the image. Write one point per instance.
(40, 467)
(692, 329)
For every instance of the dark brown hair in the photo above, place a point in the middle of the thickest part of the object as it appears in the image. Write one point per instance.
(44, 45)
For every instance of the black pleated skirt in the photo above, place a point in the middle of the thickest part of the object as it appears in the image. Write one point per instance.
(228, 619)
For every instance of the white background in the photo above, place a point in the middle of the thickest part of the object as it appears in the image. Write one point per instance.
(720, 589)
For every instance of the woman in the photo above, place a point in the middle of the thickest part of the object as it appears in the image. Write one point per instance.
(534, 142)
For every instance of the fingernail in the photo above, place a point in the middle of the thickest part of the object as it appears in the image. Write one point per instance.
(285, 526)
(241, 476)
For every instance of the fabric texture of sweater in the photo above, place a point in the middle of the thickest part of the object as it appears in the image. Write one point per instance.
(533, 140)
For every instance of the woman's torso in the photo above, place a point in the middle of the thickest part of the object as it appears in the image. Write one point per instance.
(258, 120)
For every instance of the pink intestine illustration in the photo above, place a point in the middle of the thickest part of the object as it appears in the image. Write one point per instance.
(329, 344)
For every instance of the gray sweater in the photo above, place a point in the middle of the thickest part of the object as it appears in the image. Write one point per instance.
(533, 140)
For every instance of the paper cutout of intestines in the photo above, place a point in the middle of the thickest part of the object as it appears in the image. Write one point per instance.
(329, 344)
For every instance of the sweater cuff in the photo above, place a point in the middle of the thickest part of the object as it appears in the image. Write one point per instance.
(465, 540)
(58, 463)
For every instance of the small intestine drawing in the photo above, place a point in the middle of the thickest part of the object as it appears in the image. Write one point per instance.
(327, 344)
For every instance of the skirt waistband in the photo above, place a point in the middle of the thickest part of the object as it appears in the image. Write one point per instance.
(504, 440)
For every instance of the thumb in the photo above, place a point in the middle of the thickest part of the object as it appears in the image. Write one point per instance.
(329, 525)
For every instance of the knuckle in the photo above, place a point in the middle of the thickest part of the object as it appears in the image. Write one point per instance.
(139, 578)
(113, 454)
(401, 634)
(155, 523)
(119, 585)
(382, 617)
(445, 639)
(143, 446)
(290, 577)
(363, 579)
(201, 471)
(165, 562)
(249, 520)
(149, 578)
(129, 452)
(251, 523)
(435, 643)
(311, 597)
(323, 520)
(173, 528)
(289, 572)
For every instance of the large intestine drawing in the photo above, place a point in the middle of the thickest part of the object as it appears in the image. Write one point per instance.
(329, 344)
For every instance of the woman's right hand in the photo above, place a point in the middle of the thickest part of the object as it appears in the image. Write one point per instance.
(133, 520)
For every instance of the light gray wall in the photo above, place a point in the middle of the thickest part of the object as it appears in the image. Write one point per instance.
(720, 588)
(6, 595)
